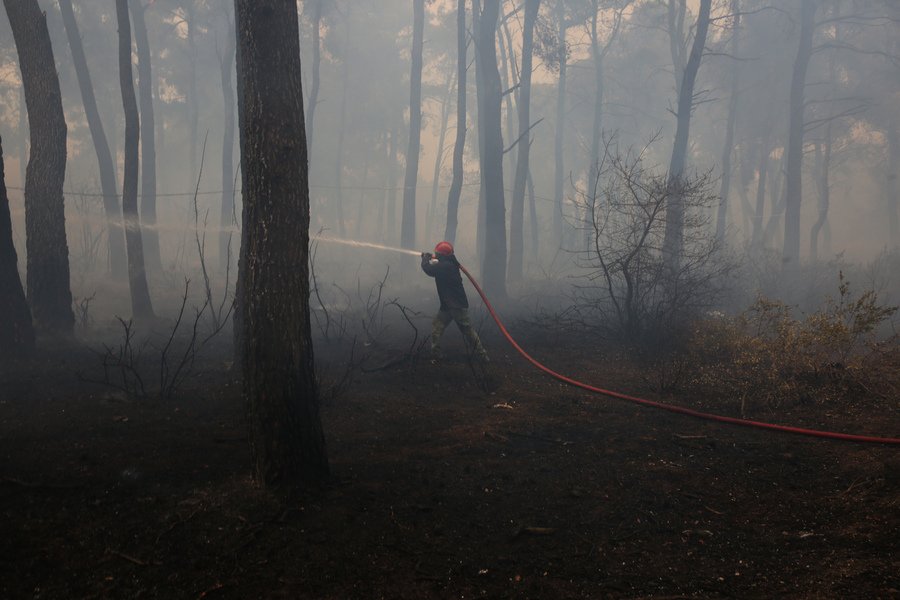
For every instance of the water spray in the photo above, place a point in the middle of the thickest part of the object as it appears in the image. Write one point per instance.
(368, 245)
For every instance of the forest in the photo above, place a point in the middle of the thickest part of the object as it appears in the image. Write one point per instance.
(344, 299)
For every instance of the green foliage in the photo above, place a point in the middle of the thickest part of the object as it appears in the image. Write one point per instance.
(766, 357)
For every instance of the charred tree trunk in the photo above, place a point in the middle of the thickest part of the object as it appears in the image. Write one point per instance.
(460, 143)
(313, 99)
(673, 240)
(286, 439)
(408, 218)
(105, 164)
(47, 280)
(227, 220)
(494, 258)
(148, 141)
(794, 168)
(722, 214)
(517, 222)
(141, 307)
(16, 330)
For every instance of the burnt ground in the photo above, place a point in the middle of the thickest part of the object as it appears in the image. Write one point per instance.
(440, 489)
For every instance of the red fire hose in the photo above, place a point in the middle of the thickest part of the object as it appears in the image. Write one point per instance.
(669, 407)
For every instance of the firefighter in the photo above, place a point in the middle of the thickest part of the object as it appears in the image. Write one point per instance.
(443, 266)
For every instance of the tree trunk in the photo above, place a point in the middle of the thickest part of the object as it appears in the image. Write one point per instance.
(439, 160)
(460, 143)
(494, 258)
(532, 212)
(721, 216)
(559, 174)
(148, 141)
(105, 164)
(823, 169)
(226, 69)
(408, 218)
(517, 219)
(47, 279)
(141, 307)
(342, 122)
(313, 99)
(794, 168)
(673, 240)
(16, 330)
(762, 170)
(286, 439)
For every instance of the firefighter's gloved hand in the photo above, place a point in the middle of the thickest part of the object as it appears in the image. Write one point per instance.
(426, 255)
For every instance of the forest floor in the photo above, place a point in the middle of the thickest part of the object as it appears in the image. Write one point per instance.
(440, 489)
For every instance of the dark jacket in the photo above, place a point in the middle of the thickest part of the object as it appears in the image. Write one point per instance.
(445, 271)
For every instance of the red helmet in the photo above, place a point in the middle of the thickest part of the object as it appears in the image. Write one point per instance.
(444, 248)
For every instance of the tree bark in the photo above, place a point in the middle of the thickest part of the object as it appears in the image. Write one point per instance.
(150, 234)
(460, 143)
(286, 439)
(673, 239)
(722, 214)
(47, 279)
(16, 329)
(105, 164)
(493, 268)
(517, 219)
(141, 307)
(794, 168)
(408, 218)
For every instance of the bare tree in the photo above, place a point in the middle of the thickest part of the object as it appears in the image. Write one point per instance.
(150, 235)
(674, 241)
(517, 208)
(286, 438)
(16, 330)
(141, 306)
(408, 217)
(47, 279)
(493, 268)
(460, 143)
(114, 232)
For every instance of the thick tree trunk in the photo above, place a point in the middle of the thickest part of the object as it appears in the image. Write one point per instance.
(313, 98)
(494, 258)
(722, 214)
(460, 143)
(286, 439)
(227, 242)
(559, 139)
(408, 218)
(794, 168)
(47, 280)
(141, 307)
(148, 141)
(517, 219)
(673, 240)
(105, 164)
(16, 330)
